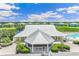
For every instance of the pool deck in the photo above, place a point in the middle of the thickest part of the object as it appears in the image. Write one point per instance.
(70, 32)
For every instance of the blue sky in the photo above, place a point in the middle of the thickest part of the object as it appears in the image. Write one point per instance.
(19, 12)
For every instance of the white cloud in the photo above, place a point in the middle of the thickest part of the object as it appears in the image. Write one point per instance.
(7, 13)
(75, 8)
(69, 10)
(43, 16)
(6, 10)
(60, 9)
(5, 6)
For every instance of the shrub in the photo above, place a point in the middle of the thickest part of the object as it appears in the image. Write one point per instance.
(21, 48)
(66, 47)
(25, 50)
(76, 41)
(54, 49)
(5, 41)
(59, 47)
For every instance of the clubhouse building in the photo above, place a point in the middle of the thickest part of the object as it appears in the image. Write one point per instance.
(39, 38)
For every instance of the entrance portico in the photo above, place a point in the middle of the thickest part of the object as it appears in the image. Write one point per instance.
(39, 48)
(39, 42)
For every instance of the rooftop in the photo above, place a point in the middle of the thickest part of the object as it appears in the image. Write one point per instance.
(48, 29)
(39, 37)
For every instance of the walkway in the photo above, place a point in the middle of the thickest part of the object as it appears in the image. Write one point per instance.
(65, 54)
(74, 47)
(9, 50)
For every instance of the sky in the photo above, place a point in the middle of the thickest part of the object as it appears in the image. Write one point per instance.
(39, 12)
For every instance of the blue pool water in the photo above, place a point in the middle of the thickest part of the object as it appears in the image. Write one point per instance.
(73, 35)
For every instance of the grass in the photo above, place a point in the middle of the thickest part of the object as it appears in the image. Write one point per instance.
(11, 28)
(67, 29)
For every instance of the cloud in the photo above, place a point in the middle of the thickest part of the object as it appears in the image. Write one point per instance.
(43, 16)
(5, 6)
(6, 10)
(60, 9)
(69, 10)
(7, 13)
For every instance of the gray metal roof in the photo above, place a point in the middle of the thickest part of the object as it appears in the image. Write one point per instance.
(48, 29)
(39, 37)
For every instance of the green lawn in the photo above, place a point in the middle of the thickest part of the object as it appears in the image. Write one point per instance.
(11, 28)
(67, 29)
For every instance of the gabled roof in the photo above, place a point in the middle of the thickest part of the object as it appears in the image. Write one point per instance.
(49, 29)
(39, 37)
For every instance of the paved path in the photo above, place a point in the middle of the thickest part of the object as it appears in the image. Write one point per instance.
(65, 54)
(8, 50)
(74, 47)
(28, 54)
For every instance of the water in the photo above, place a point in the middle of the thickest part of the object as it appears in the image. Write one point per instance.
(73, 35)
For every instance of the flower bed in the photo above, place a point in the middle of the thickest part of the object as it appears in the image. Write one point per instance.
(59, 47)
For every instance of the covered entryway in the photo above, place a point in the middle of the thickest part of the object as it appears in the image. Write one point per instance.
(39, 42)
(40, 48)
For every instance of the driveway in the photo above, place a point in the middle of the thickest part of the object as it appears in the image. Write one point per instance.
(9, 50)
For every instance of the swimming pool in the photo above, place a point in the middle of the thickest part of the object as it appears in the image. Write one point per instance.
(73, 35)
